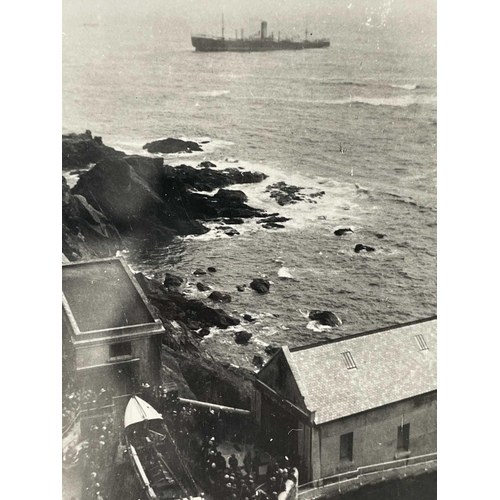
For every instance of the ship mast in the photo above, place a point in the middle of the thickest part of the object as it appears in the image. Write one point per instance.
(223, 26)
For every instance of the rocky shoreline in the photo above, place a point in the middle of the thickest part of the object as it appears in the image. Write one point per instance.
(140, 202)
(130, 199)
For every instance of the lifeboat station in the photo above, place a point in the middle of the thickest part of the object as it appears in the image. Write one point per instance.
(334, 415)
(353, 405)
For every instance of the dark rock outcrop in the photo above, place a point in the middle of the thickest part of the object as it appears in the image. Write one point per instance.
(172, 146)
(211, 269)
(202, 287)
(172, 281)
(81, 150)
(233, 220)
(172, 305)
(342, 231)
(273, 220)
(258, 360)
(273, 225)
(240, 288)
(286, 195)
(231, 197)
(260, 285)
(223, 298)
(86, 232)
(271, 350)
(325, 318)
(199, 272)
(242, 337)
(360, 247)
(248, 318)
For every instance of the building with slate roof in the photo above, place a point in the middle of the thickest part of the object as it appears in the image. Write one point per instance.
(111, 338)
(355, 401)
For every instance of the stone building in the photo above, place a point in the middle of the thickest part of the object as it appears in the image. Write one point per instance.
(355, 401)
(110, 335)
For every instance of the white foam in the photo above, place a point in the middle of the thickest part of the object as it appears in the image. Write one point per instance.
(408, 86)
(317, 327)
(212, 93)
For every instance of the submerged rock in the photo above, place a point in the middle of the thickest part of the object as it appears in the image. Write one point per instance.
(221, 297)
(240, 288)
(342, 231)
(260, 285)
(273, 225)
(242, 337)
(211, 269)
(325, 318)
(202, 287)
(359, 247)
(248, 318)
(172, 146)
(199, 272)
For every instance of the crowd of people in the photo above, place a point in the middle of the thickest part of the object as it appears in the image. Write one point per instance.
(98, 453)
(196, 431)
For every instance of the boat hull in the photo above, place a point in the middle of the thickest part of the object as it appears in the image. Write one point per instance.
(206, 44)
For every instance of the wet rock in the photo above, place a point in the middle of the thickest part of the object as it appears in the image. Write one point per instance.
(325, 318)
(271, 350)
(199, 272)
(231, 197)
(172, 146)
(342, 231)
(211, 269)
(202, 287)
(223, 298)
(242, 337)
(258, 360)
(172, 305)
(260, 285)
(273, 225)
(359, 247)
(273, 219)
(207, 164)
(172, 281)
(203, 332)
(233, 220)
(380, 235)
(240, 288)
(230, 231)
(248, 318)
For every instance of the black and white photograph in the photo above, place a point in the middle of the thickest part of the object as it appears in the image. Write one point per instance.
(249, 249)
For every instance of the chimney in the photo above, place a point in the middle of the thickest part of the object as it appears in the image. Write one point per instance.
(263, 30)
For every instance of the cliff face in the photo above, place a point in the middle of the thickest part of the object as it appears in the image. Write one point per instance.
(141, 198)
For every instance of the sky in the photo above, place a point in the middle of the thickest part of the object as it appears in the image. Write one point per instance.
(204, 16)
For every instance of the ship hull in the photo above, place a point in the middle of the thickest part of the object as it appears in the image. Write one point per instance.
(206, 44)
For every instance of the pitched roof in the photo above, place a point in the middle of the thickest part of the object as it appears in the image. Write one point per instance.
(365, 371)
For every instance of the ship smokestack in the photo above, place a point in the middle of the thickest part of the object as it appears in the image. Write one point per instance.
(242, 33)
(263, 30)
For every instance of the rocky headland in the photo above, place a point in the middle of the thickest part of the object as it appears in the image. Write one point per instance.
(138, 202)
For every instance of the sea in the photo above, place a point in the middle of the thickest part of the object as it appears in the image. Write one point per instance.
(356, 121)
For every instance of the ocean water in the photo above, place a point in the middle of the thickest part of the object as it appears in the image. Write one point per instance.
(286, 114)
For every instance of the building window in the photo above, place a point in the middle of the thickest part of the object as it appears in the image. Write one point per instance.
(346, 446)
(404, 437)
(349, 360)
(422, 344)
(120, 351)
